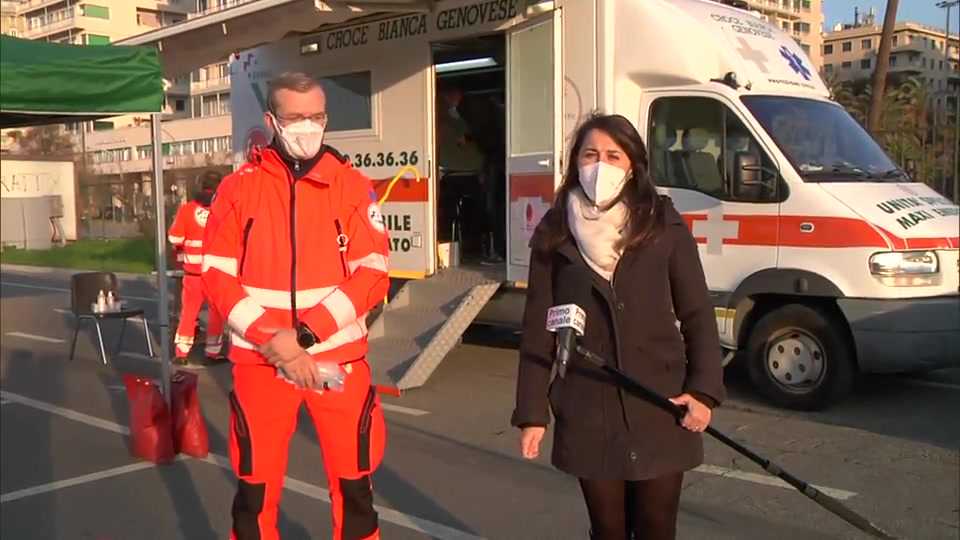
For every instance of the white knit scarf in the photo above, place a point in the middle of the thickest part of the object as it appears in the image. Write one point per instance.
(596, 232)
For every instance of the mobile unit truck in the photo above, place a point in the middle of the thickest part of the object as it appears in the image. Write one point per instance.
(823, 258)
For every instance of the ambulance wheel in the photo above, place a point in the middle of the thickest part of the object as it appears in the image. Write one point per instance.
(798, 357)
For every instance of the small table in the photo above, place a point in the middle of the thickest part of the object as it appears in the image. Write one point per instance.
(121, 314)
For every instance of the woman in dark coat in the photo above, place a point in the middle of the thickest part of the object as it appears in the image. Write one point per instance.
(613, 246)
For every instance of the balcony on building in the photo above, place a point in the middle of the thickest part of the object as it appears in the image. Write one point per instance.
(908, 67)
(179, 86)
(150, 19)
(215, 84)
(43, 24)
(212, 78)
(31, 7)
(913, 47)
(49, 23)
(206, 7)
(784, 9)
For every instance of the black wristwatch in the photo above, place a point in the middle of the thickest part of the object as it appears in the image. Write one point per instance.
(305, 336)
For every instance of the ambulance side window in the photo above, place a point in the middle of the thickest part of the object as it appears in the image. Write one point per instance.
(352, 93)
(692, 144)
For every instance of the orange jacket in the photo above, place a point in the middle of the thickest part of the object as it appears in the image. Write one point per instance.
(327, 273)
(186, 235)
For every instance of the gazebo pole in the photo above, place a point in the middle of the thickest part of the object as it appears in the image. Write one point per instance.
(163, 309)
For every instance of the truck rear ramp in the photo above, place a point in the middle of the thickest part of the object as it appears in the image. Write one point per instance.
(422, 324)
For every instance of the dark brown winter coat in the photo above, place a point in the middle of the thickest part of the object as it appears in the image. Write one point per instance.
(601, 431)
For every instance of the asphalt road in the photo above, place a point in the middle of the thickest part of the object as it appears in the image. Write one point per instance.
(451, 471)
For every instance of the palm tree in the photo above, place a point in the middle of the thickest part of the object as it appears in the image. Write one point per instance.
(905, 130)
(883, 66)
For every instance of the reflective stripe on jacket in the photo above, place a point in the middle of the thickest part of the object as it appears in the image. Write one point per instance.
(280, 250)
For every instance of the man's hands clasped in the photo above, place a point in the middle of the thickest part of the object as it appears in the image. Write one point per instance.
(284, 352)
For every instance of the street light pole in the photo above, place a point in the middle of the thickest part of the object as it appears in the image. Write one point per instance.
(949, 5)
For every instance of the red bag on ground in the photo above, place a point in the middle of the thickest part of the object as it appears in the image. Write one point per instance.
(150, 435)
(189, 429)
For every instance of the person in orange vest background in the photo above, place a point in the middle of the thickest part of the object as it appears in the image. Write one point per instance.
(186, 236)
(296, 254)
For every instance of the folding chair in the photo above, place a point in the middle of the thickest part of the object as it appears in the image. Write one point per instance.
(84, 290)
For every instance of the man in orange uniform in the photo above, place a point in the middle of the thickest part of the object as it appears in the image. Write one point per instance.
(186, 235)
(296, 255)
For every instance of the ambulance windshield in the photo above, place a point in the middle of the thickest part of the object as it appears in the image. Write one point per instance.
(822, 141)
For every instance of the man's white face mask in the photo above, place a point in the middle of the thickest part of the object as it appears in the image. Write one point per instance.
(602, 182)
(300, 140)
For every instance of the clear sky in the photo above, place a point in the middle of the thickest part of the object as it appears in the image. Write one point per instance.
(921, 11)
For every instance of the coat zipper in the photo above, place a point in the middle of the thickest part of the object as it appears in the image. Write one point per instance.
(293, 245)
(342, 245)
(616, 337)
(246, 239)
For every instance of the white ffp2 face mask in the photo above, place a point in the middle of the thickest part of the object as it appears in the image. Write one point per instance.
(602, 182)
(300, 140)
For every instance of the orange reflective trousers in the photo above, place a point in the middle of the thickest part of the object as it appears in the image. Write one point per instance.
(191, 300)
(352, 435)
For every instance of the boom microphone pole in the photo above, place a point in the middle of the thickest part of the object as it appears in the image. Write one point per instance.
(829, 503)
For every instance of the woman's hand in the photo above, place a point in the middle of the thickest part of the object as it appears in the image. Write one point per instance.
(698, 415)
(530, 439)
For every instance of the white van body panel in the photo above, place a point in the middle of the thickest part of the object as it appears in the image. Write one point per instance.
(622, 56)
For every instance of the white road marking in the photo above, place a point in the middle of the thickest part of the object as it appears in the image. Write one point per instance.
(76, 481)
(767, 480)
(426, 527)
(35, 287)
(34, 337)
(403, 410)
(932, 384)
(66, 290)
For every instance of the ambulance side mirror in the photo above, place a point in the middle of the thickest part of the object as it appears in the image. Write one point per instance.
(910, 168)
(746, 169)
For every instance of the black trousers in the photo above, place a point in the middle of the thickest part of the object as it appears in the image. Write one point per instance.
(495, 191)
(639, 510)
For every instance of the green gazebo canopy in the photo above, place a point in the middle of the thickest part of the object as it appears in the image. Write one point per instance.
(50, 83)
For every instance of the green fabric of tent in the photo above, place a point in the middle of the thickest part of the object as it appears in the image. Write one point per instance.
(51, 83)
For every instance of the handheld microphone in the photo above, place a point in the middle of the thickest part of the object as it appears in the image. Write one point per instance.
(568, 321)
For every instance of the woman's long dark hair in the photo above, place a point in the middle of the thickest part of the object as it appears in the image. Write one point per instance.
(645, 213)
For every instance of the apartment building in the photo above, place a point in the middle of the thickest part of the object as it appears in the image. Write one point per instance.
(803, 19)
(850, 52)
(10, 22)
(196, 126)
(12, 25)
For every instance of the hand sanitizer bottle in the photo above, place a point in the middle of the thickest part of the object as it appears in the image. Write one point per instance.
(101, 302)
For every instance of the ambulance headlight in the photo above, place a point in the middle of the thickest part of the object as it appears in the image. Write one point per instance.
(906, 268)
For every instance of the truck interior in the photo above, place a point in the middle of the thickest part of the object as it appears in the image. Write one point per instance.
(426, 318)
(474, 68)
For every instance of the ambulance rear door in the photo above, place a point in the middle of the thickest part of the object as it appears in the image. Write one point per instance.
(378, 77)
(534, 132)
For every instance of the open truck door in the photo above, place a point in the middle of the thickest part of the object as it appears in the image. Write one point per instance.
(534, 132)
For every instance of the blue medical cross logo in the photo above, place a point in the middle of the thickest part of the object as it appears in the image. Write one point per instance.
(796, 63)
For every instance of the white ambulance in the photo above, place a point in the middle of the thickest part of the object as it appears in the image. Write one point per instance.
(823, 258)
